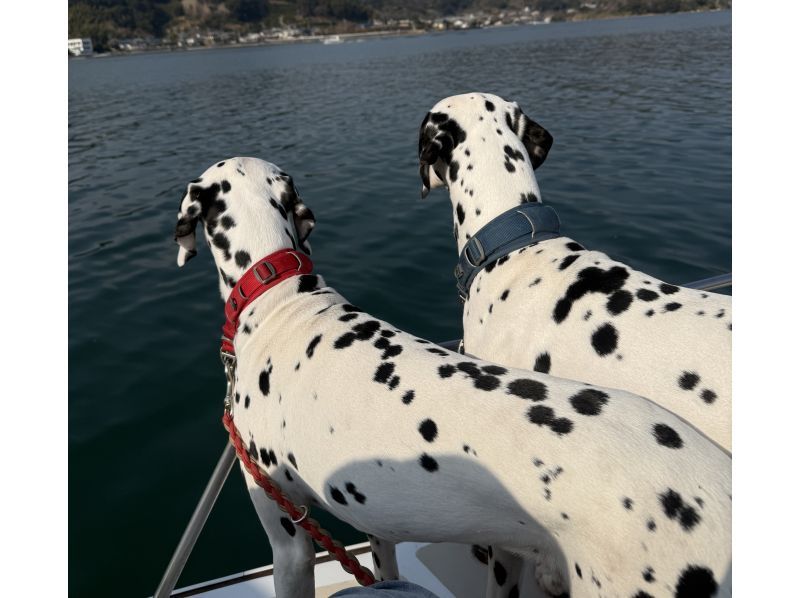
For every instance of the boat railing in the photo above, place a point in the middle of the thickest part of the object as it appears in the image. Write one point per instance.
(225, 463)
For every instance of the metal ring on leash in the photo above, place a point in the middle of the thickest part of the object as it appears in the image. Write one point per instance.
(303, 516)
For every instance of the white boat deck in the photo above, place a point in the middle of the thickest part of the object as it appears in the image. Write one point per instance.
(447, 570)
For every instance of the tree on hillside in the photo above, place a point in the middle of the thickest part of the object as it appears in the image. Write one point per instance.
(248, 11)
(351, 10)
(102, 19)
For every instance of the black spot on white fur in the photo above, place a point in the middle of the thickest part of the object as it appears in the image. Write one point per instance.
(428, 430)
(604, 339)
(242, 258)
(351, 489)
(708, 396)
(312, 345)
(696, 582)
(590, 280)
(500, 573)
(428, 463)
(542, 363)
(667, 436)
(568, 261)
(384, 372)
(675, 508)
(541, 415)
(528, 389)
(288, 526)
(337, 495)
(688, 380)
(619, 302)
(263, 379)
(308, 282)
(589, 401)
(646, 295)
(668, 289)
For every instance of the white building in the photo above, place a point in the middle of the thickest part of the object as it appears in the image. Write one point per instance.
(80, 46)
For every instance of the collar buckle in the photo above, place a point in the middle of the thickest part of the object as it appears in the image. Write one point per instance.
(272, 273)
(474, 246)
(519, 227)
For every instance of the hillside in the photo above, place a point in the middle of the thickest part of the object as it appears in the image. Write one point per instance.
(109, 21)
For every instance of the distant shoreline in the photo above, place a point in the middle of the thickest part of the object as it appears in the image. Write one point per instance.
(376, 34)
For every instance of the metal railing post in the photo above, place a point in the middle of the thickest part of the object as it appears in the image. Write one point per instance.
(196, 523)
(709, 284)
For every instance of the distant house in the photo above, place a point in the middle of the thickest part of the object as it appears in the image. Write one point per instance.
(80, 46)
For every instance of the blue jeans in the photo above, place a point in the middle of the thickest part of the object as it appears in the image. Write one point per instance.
(387, 589)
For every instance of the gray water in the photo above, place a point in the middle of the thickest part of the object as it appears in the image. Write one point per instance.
(640, 109)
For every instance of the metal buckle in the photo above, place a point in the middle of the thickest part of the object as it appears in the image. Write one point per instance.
(297, 257)
(272, 273)
(477, 244)
(229, 362)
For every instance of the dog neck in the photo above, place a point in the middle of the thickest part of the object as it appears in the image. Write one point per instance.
(479, 195)
(267, 273)
(232, 262)
(251, 223)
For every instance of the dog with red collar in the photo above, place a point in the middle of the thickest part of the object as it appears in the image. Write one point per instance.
(606, 492)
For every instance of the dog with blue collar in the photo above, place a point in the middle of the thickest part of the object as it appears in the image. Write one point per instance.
(538, 300)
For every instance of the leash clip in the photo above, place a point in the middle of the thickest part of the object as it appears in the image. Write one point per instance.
(229, 363)
(304, 509)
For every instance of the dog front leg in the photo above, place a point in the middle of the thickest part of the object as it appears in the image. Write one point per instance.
(384, 559)
(505, 573)
(292, 549)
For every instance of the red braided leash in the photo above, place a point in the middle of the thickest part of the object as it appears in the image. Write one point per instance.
(320, 536)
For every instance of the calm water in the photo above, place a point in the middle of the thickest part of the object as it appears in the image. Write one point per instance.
(641, 168)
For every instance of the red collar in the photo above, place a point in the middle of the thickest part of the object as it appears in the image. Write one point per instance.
(262, 276)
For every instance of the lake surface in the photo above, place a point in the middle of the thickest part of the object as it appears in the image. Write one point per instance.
(640, 109)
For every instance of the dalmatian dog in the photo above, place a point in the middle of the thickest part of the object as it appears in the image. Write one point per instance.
(558, 307)
(607, 492)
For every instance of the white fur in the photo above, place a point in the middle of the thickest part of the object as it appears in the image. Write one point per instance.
(509, 315)
(653, 352)
(498, 478)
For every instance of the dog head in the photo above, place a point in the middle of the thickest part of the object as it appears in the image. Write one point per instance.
(484, 150)
(483, 118)
(249, 208)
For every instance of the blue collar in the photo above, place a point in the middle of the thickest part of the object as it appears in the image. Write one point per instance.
(519, 227)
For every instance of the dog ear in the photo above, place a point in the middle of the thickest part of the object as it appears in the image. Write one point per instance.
(303, 223)
(534, 136)
(188, 215)
(433, 144)
(302, 216)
